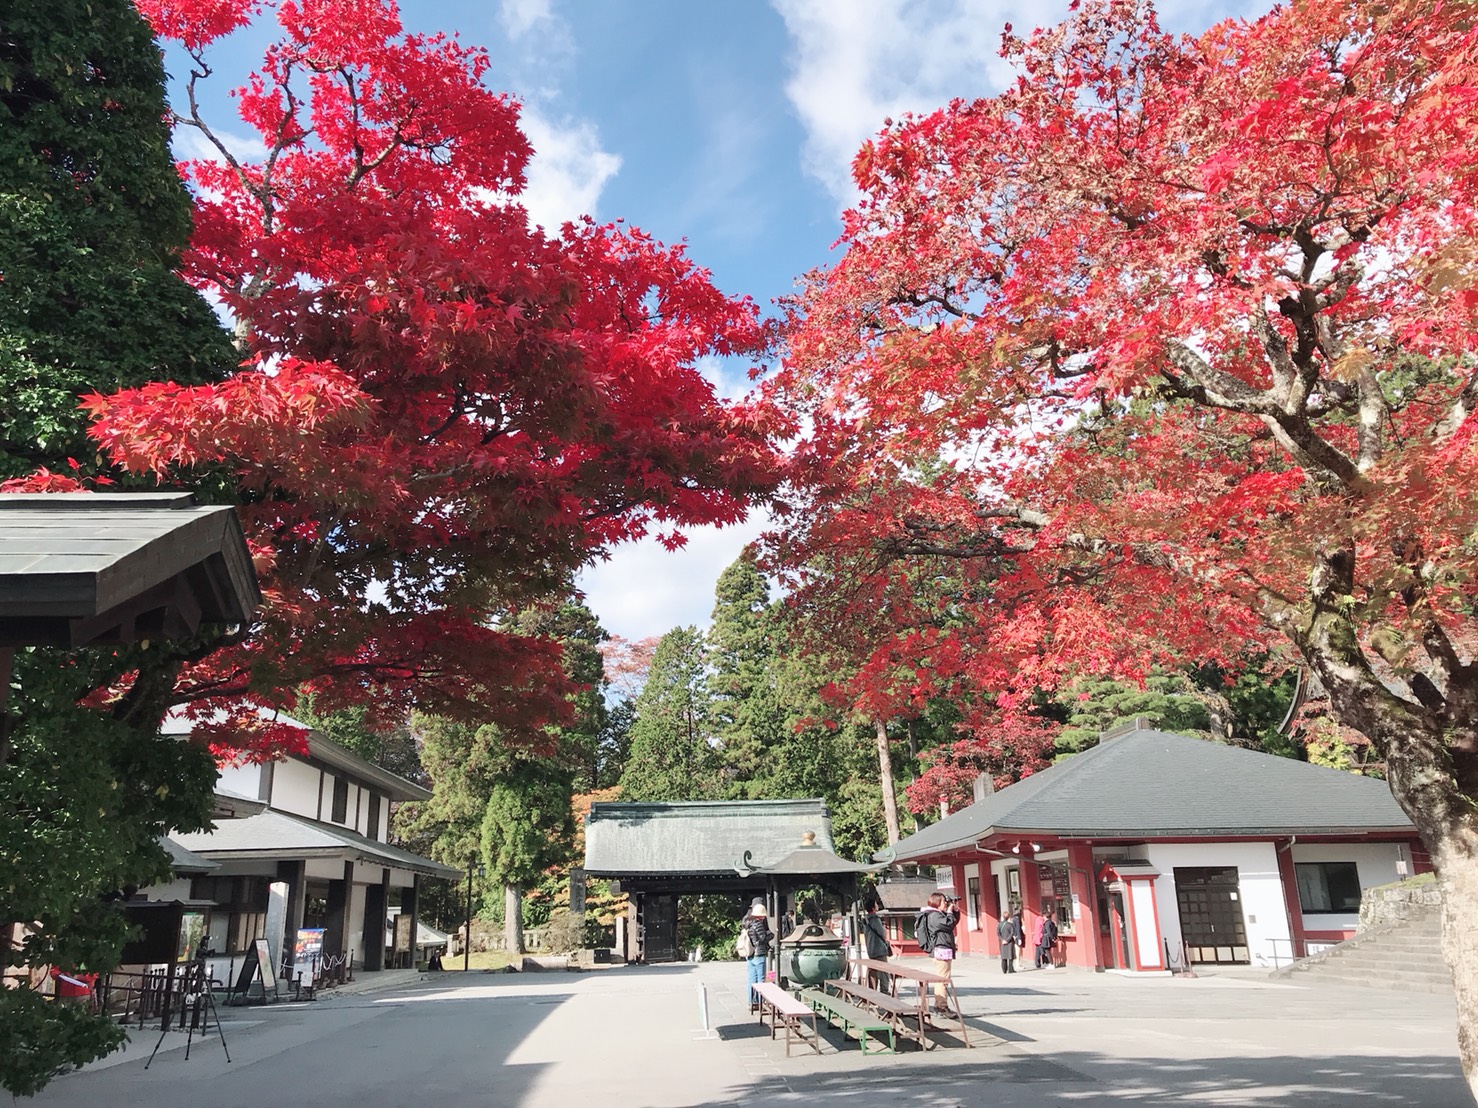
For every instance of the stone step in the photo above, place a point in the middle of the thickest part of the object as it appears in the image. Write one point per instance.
(1365, 981)
(1378, 970)
(1347, 961)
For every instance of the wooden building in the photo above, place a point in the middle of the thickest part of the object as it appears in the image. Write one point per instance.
(310, 851)
(1153, 848)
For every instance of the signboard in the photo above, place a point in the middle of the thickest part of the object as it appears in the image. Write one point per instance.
(402, 942)
(258, 960)
(264, 961)
(308, 945)
(577, 892)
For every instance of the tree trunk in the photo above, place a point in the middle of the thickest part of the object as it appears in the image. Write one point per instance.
(1430, 743)
(885, 779)
(513, 919)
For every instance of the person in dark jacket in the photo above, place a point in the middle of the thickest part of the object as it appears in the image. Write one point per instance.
(756, 926)
(936, 935)
(875, 942)
(1046, 936)
(1009, 932)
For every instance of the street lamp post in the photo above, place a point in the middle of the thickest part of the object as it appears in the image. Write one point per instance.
(472, 864)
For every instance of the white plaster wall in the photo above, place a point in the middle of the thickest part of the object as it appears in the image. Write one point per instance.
(369, 873)
(241, 780)
(1260, 891)
(331, 869)
(178, 889)
(1374, 862)
(295, 788)
(355, 925)
(1149, 949)
(384, 832)
(972, 871)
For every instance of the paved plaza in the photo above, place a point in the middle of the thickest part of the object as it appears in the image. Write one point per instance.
(632, 1036)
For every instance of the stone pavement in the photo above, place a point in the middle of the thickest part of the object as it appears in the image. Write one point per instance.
(633, 1036)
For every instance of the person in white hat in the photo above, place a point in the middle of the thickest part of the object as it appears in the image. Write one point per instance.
(754, 946)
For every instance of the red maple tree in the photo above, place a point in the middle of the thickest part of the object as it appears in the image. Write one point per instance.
(1170, 349)
(442, 411)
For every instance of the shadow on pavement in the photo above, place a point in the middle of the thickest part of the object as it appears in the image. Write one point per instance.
(981, 1077)
(365, 1055)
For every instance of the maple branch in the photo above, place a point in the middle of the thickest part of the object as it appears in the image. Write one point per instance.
(1211, 386)
(362, 168)
(1463, 406)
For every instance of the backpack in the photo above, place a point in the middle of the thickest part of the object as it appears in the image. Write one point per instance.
(745, 945)
(923, 932)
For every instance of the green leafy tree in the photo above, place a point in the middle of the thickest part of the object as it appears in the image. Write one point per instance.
(1167, 701)
(527, 828)
(92, 216)
(389, 745)
(84, 798)
(462, 762)
(746, 710)
(672, 754)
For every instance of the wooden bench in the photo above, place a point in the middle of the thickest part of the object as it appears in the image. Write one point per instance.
(896, 1010)
(850, 1018)
(786, 1009)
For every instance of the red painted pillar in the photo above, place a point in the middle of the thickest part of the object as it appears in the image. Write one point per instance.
(1421, 860)
(1031, 904)
(1288, 877)
(1083, 949)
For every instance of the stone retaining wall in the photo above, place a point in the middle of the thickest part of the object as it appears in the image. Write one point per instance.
(1414, 898)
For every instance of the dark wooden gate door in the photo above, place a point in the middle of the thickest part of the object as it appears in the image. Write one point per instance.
(1211, 914)
(659, 927)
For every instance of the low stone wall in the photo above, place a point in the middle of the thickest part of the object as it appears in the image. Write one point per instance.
(1414, 898)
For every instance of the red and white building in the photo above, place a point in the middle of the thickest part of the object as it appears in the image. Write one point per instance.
(1154, 848)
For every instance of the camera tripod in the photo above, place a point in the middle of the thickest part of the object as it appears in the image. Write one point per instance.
(195, 994)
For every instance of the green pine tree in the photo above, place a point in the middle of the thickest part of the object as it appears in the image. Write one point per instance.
(92, 217)
(672, 754)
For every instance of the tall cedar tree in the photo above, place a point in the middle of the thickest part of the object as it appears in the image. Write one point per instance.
(741, 661)
(672, 756)
(1264, 236)
(92, 217)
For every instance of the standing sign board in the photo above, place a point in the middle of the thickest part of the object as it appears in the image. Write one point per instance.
(258, 961)
(264, 962)
(309, 945)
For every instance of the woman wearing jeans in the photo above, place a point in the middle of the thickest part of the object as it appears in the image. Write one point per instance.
(757, 927)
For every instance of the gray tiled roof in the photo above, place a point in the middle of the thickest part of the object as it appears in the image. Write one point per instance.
(698, 837)
(83, 567)
(902, 894)
(184, 862)
(1149, 784)
(273, 835)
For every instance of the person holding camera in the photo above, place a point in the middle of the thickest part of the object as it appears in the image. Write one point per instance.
(935, 930)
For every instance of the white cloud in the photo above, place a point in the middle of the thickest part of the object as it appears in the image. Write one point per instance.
(519, 17)
(568, 172)
(190, 144)
(856, 63)
(647, 590)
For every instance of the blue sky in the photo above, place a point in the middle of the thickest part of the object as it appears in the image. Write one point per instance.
(729, 124)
